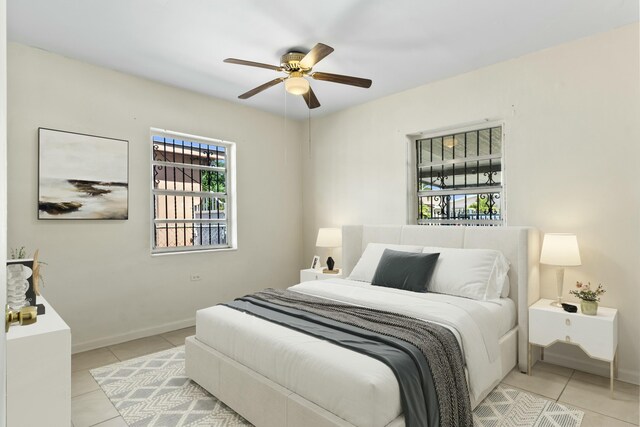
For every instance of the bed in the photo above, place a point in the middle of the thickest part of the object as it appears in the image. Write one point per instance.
(275, 376)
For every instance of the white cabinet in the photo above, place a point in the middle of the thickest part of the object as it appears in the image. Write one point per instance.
(310, 274)
(596, 335)
(39, 372)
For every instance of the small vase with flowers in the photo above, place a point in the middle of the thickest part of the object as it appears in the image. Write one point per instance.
(588, 297)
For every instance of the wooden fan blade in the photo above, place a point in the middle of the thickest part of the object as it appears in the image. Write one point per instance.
(252, 64)
(310, 99)
(345, 80)
(260, 88)
(315, 55)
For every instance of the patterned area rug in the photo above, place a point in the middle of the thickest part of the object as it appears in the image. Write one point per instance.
(506, 407)
(153, 391)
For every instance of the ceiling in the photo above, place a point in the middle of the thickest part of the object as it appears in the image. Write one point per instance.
(399, 44)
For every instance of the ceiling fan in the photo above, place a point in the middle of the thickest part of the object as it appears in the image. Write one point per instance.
(297, 66)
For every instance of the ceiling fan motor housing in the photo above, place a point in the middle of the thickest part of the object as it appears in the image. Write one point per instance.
(291, 61)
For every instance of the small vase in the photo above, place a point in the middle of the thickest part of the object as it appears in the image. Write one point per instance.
(17, 285)
(589, 307)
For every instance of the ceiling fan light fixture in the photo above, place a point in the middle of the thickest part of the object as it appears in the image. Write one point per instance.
(296, 84)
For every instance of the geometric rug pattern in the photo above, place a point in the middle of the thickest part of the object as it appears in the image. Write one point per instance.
(506, 407)
(153, 391)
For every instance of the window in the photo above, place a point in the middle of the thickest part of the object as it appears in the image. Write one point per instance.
(193, 203)
(459, 177)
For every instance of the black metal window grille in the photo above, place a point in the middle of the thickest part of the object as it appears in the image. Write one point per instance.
(459, 178)
(190, 197)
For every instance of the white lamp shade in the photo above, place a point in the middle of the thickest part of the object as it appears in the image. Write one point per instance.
(329, 238)
(296, 85)
(560, 249)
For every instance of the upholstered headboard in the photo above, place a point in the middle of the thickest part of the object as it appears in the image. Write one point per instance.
(521, 246)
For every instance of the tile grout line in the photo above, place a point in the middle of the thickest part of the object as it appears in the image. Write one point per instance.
(104, 421)
(114, 355)
(565, 385)
(588, 409)
(164, 338)
(87, 392)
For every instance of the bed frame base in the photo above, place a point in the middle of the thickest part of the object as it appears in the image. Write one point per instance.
(264, 403)
(259, 400)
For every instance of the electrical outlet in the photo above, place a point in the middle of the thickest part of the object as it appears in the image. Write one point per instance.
(195, 277)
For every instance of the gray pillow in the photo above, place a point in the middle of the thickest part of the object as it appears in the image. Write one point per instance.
(405, 270)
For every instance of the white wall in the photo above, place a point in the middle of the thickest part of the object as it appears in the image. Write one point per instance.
(3, 201)
(100, 275)
(571, 148)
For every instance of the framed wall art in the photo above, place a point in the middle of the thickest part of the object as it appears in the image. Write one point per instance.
(82, 176)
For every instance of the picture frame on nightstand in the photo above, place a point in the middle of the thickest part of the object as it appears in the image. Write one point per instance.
(315, 263)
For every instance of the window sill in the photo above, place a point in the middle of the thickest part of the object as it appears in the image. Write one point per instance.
(193, 251)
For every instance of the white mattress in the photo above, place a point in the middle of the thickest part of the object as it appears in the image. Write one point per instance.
(504, 311)
(357, 388)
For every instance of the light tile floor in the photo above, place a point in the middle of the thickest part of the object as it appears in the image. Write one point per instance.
(91, 407)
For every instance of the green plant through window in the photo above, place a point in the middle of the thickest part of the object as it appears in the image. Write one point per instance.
(214, 182)
(484, 206)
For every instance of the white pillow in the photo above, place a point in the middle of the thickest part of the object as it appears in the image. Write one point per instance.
(472, 273)
(368, 262)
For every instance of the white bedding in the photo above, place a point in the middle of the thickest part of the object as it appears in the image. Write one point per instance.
(355, 387)
(475, 326)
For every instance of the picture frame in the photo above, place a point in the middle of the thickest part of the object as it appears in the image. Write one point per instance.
(82, 176)
(315, 263)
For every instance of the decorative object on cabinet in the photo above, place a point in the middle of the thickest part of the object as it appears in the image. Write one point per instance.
(25, 316)
(329, 238)
(597, 335)
(315, 263)
(588, 298)
(20, 292)
(19, 256)
(82, 176)
(560, 249)
(37, 274)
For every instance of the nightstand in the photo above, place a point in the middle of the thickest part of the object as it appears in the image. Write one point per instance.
(596, 335)
(310, 274)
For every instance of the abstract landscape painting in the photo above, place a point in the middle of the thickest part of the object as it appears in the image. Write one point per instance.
(82, 176)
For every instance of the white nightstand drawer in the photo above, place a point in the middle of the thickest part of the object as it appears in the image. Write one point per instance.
(310, 274)
(548, 327)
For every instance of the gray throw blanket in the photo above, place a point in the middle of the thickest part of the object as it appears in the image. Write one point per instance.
(437, 344)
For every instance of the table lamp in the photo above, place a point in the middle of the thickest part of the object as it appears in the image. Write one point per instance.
(329, 238)
(561, 250)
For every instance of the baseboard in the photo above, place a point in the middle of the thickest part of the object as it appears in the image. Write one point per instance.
(132, 335)
(591, 366)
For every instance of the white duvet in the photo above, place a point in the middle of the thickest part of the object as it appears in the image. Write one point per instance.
(315, 369)
(475, 327)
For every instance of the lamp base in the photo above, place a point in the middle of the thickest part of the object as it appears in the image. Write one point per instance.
(559, 286)
(330, 263)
